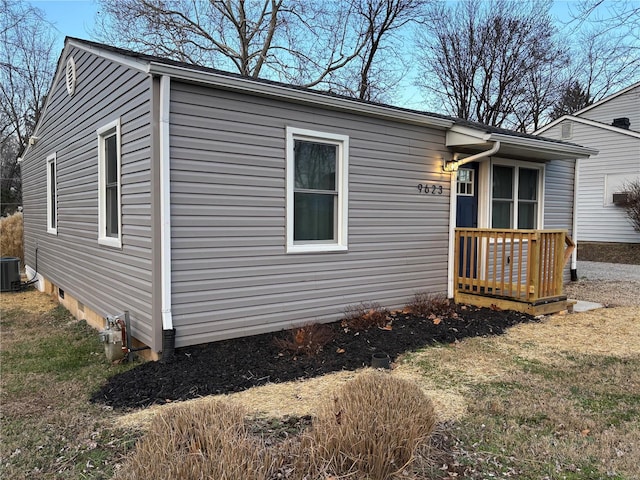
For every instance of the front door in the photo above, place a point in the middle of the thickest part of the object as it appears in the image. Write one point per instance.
(467, 212)
(467, 196)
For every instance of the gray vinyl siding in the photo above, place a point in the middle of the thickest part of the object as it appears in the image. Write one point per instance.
(230, 273)
(625, 105)
(558, 199)
(619, 154)
(101, 277)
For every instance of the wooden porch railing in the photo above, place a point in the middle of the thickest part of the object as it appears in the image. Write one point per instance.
(523, 265)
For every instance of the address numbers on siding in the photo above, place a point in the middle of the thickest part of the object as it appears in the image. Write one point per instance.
(430, 189)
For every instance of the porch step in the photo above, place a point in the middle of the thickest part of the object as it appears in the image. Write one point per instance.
(540, 307)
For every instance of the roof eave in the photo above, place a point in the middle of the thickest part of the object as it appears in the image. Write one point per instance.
(296, 95)
(564, 150)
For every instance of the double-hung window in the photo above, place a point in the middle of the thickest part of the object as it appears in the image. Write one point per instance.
(515, 196)
(317, 169)
(109, 211)
(52, 194)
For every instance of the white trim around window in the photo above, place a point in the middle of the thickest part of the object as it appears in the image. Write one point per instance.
(52, 194)
(109, 185)
(317, 201)
(516, 198)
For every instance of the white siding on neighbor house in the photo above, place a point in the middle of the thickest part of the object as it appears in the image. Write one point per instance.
(230, 273)
(100, 277)
(625, 105)
(618, 159)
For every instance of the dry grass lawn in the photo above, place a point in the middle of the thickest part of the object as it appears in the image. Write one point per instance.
(555, 400)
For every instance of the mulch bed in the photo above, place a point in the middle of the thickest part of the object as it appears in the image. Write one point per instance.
(236, 365)
(628, 253)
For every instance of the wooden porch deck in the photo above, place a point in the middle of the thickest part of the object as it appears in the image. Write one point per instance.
(518, 270)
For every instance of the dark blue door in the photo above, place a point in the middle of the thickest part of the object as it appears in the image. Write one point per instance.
(467, 196)
(467, 213)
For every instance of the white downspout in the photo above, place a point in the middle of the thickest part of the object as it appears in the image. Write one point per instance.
(452, 230)
(574, 227)
(165, 203)
(452, 166)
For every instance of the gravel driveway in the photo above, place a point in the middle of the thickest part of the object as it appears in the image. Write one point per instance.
(612, 284)
(608, 271)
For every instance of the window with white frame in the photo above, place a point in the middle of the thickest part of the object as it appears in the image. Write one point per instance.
(317, 170)
(109, 211)
(52, 194)
(465, 181)
(515, 201)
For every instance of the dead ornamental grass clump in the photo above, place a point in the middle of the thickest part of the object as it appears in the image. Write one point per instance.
(371, 429)
(11, 231)
(203, 440)
(373, 426)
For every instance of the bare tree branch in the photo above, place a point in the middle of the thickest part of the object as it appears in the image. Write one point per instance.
(493, 62)
(26, 68)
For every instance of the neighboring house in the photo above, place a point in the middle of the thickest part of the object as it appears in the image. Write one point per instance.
(612, 126)
(217, 206)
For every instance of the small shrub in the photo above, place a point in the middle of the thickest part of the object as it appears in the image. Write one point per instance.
(11, 232)
(374, 426)
(632, 205)
(426, 304)
(203, 440)
(365, 316)
(307, 340)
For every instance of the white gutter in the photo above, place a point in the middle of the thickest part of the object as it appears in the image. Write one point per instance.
(165, 203)
(453, 200)
(566, 150)
(574, 227)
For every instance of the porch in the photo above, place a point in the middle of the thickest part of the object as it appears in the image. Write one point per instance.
(518, 270)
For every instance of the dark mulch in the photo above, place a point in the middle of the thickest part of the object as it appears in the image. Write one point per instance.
(238, 364)
(628, 253)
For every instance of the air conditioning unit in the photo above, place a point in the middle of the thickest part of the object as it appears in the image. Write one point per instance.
(9, 274)
(620, 198)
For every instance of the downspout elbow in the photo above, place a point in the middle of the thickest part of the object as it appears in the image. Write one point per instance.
(453, 165)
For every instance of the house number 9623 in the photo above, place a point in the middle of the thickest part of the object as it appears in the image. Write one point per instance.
(430, 189)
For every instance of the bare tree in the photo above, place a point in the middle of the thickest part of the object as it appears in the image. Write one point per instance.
(342, 46)
(382, 20)
(606, 52)
(26, 68)
(493, 62)
(290, 40)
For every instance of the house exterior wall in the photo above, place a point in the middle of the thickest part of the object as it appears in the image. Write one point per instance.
(558, 199)
(618, 160)
(624, 105)
(96, 275)
(230, 273)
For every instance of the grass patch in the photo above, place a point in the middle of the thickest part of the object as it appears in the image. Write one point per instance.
(534, 407)
(50, 365)
(577, 420)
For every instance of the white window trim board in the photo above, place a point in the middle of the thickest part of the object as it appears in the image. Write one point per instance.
(342, 171)
(52, 159)
(103, 239)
